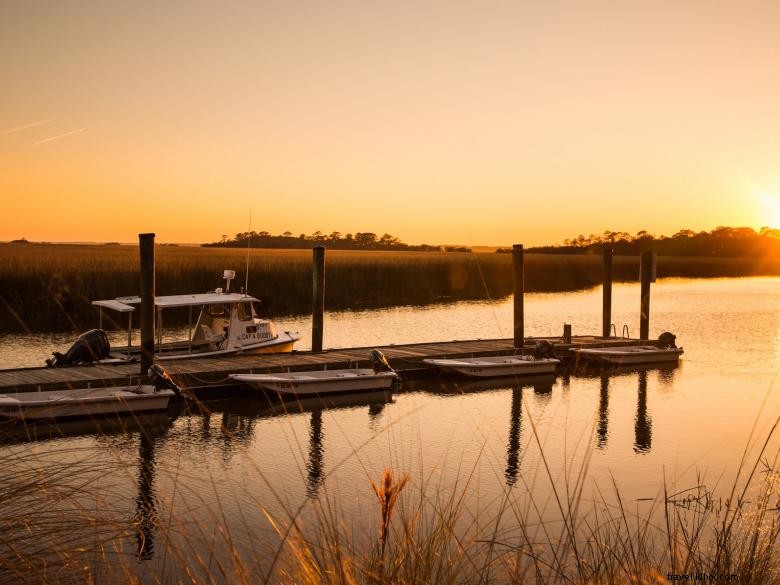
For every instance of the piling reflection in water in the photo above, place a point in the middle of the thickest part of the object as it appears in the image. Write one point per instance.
(643, 425)
(513, 447)
(314, 464)
(602, 430)
(145, 517)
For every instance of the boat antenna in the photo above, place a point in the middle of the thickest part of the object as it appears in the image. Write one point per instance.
(248, 241)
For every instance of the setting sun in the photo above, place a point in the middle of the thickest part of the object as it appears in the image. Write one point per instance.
(771, 210)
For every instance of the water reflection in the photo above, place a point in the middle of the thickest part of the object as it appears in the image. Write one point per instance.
(513, 447)
(145, 517)
(236, 423)
(314, 464)
(643, 425)
(17, 432)
(602, 429)
(541, 384)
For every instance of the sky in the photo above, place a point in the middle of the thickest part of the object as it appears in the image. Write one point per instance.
(440, 121)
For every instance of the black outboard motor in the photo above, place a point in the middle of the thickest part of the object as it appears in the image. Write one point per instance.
(91, 346)
(544, 349)
(161, 379)
(667, 340)
(379, 362)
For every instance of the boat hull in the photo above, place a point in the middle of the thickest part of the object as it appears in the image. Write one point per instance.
(320, 382)
(282, 344)
(631, 355)
(57, 404)
(493, 367)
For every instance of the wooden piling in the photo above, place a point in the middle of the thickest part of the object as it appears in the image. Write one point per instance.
(606, 303)
(146, 243)
(518, 270)
(646, 276)
(318, 298)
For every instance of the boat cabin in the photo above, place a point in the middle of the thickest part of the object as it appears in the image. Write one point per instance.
(218, 322)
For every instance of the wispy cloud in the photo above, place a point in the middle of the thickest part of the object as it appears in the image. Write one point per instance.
(26, 126)
(63, 135)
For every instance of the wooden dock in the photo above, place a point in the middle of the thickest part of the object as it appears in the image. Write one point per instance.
(212, 372)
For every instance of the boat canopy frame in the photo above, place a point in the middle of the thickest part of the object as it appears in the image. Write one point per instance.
(125, 305)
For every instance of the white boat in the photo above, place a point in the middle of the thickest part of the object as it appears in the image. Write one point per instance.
(226, 323)
(641, 354)
(320, 381)
(486, 367)
(379, 377)
(54, 404)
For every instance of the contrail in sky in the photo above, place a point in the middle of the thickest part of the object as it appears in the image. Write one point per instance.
(45, 140)
(25, 126)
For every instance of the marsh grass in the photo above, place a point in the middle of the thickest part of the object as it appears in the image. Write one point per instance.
(56, 526)
(50, 287)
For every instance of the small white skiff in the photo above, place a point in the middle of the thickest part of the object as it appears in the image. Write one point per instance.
(320, 381)
(642, 354)
(87, 402)
(485, 367)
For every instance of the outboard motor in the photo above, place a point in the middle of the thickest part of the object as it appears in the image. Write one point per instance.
(91, 346)
(543, 349)
(379, 362)
(161, 379)
(667, 340)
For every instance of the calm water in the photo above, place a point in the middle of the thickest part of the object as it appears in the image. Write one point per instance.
(248, 460)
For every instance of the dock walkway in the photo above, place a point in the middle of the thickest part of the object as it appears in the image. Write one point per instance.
(212, 372)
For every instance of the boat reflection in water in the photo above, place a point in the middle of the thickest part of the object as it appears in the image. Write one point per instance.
(15, 432)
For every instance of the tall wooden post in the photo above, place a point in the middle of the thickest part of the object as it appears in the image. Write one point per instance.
(606, 303)
(146, 242)
(519, 291)
(646, 276)
(318, 298)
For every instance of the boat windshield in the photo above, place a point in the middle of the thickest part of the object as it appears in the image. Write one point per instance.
(218, 311)
(244, 311)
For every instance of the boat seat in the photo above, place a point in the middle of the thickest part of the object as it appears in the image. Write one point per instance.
(211, 337)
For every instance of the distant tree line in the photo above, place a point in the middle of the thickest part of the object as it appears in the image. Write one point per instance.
(335, 240)
(722, 241)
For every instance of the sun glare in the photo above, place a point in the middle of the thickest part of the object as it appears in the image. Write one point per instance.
(772, 210)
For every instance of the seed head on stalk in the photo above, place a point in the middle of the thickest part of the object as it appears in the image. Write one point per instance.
(387, 492)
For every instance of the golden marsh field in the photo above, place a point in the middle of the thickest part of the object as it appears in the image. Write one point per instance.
(49, 287)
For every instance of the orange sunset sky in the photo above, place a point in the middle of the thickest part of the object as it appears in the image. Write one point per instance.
(438, 121)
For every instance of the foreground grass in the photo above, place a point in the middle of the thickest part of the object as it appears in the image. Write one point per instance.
(59, 510)
(50, 287)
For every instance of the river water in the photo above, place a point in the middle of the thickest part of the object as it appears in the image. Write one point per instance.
(205, 485)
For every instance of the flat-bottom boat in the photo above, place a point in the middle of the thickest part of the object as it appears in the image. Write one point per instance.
(488, 367)
(319, 382)
(54, 404)
(641, 354)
